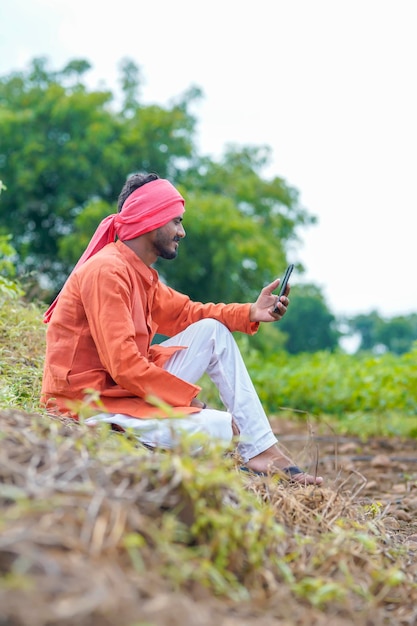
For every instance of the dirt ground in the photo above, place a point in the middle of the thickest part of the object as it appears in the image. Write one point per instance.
(385, 470)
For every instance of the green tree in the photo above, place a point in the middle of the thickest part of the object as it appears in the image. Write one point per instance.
(398, 333)
(308, 324)
(8, 255)
(63, 146)
(366, 325)
(66, 152)
(395, 334)
(7, 252)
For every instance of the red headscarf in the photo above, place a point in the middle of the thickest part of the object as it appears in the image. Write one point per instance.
(149, 207)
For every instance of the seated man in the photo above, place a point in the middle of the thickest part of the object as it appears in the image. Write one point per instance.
(102, 324)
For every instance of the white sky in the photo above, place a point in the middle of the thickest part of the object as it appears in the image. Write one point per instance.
(329, 85)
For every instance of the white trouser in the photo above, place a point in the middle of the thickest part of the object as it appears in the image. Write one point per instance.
(211, 349)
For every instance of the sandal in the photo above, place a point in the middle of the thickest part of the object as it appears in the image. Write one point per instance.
(291, 471)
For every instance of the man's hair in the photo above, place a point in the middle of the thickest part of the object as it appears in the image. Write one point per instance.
(132, 183)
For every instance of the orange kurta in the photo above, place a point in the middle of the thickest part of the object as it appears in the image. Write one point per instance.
(100, 334)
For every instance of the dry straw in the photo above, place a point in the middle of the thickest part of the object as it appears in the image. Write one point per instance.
(97, 531)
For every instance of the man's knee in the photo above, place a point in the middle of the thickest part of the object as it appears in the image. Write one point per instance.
(217, 424)
(210, 327)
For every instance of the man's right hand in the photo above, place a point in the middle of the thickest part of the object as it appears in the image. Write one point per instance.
(196, 402)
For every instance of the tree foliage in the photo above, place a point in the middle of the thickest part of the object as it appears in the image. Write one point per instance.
(66, 151)
(377, 334)
(63, 145)
(309, 325)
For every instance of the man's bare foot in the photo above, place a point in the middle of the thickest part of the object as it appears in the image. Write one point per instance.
(273, 460)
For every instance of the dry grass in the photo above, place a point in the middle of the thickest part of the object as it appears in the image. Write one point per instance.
(97, 531)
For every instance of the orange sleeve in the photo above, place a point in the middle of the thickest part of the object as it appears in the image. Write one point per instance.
(174, 311)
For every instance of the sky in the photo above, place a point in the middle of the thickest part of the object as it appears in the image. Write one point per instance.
(328, 85)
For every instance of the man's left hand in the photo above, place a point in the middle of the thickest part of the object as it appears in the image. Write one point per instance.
(263, 309)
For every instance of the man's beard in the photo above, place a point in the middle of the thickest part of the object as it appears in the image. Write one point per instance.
(167, 254)
(163, 247)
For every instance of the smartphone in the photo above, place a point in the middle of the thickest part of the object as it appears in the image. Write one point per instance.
(283, 283)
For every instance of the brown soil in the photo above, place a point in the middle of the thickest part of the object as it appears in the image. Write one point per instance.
(385, 470)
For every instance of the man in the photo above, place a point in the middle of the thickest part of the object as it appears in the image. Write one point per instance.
(102, 324)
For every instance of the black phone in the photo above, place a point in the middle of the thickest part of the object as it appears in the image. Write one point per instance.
(283, 283)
